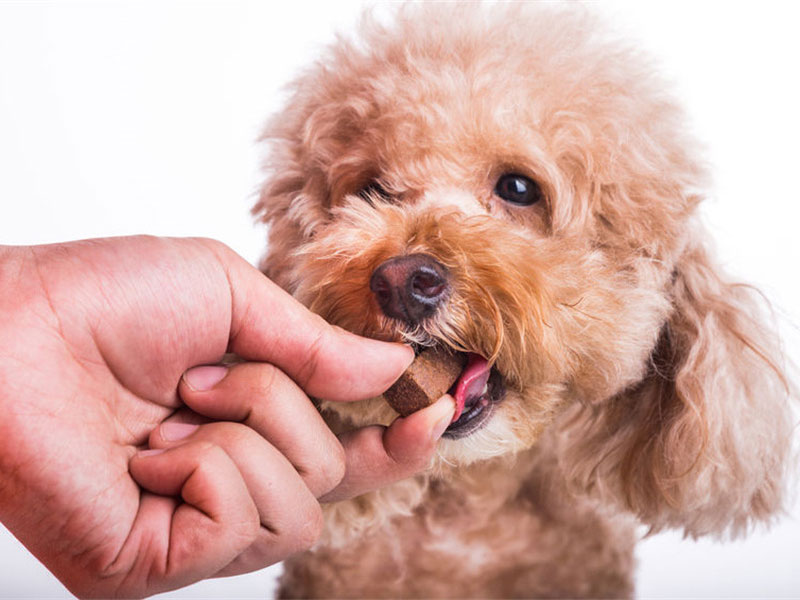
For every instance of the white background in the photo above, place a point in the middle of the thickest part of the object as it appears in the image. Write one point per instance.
(129, 117)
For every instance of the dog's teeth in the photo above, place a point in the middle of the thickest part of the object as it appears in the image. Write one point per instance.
(485, 388)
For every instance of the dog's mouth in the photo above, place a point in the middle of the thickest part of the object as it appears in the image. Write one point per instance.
(476, 391)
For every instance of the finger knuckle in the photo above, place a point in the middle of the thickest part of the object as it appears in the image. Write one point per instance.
(336, 465)
(247, 529)
(215, 245)
(231, 436)
(207, 454)
(327, 470)
(268, 378)
(309, 527)
(313, 355)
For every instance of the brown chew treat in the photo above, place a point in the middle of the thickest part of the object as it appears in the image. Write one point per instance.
(428, 378)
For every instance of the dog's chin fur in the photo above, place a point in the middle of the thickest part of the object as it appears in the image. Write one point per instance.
(640, 383)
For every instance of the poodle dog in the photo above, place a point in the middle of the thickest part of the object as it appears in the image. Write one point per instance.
(512, 183)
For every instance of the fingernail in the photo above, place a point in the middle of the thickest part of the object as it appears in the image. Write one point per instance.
(173, 431)
(446, 405)
(409, 358)
(152, 452)
(202, 379)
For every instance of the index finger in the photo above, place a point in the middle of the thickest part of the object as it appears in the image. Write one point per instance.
(269, 325)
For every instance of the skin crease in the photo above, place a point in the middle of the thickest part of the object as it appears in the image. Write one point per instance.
(96, 337)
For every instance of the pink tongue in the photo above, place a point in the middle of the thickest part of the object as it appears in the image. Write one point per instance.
(471, 382)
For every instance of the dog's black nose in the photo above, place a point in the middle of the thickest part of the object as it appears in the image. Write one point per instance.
(410, 288)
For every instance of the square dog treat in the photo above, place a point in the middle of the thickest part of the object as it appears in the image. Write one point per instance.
(428, 378)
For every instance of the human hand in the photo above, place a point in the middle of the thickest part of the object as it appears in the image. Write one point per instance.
(95, 336)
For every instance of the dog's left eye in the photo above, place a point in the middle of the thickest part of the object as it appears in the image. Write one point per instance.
(518, 189)
(374, 190)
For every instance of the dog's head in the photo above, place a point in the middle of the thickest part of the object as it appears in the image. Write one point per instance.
(506, 182)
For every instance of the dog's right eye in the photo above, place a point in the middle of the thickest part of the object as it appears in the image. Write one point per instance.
(518, 189)
(372, 191)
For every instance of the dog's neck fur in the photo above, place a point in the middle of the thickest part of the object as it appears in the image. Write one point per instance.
(456, 517)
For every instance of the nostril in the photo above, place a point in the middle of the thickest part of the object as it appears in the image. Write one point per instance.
(427, 284)
(386, 294)
(380, 286)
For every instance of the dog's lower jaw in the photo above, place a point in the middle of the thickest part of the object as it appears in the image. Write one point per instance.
(498, 528)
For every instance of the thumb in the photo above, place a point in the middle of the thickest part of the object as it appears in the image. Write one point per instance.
(377, 456)
(268, 325)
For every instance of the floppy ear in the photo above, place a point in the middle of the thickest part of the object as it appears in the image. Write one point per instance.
(703, 441)
(291, 198)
